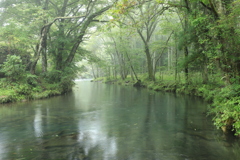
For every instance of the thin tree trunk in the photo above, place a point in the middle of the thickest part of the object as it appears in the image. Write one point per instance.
(60, 49)
(159, 57)
(186, 67)
(93, 72)
(169, 58)
(44, 51)
(129, 60)
(39, 50)
(176, 61)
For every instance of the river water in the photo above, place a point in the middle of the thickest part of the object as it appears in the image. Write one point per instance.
(111, 122)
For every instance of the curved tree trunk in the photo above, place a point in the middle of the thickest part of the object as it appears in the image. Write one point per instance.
(82, 33)
(149, 63)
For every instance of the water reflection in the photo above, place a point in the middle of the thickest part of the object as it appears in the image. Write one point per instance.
(108, 122)
(2, 148)
(38, 123)
(91, 126)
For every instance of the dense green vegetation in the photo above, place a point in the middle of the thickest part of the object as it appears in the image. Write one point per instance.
(189, 46)
(40, 45)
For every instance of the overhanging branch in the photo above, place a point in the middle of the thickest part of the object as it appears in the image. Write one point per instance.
(49, 24)
(95, 20)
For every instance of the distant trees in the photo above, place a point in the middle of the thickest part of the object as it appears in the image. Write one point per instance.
(136, 29)
(189, 36)
(198, 41)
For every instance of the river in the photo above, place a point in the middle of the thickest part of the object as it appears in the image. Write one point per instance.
(110, 122)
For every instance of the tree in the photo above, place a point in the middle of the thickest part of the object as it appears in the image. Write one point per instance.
(146, 18)
(70, 30)
(61, 28)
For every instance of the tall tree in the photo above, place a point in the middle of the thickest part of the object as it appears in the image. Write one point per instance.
(144, 17)
(71, 24)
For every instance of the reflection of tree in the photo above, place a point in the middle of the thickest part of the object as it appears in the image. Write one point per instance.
(149, 142)
(38, 123)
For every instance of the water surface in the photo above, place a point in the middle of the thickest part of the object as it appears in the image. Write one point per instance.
(110, 122)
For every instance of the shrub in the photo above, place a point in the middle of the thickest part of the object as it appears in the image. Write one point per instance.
(13, 68)
(227, 109)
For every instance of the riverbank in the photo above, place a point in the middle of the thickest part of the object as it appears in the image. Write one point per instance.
(17, 92)
(224, 99)
(206, 91)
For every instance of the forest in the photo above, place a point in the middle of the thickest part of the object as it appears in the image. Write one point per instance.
(184, 46)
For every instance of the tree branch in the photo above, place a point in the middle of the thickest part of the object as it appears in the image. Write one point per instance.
(164, 48)
(49, 24)
(83, 31)
(211, 9)
(96, 20)
(73, 3)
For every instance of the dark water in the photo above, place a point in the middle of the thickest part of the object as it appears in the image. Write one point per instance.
(111, 122)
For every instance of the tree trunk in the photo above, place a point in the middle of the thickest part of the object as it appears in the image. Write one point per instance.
(169, 58)
(186, 66)
(205, 74)
(176, 62)
(40, 47)
(44, 51)
(149, 63)
(93, 72)
(129, 60)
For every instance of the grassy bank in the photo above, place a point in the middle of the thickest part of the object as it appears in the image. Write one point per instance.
(15, 92)
(224, 98)
(19, 84)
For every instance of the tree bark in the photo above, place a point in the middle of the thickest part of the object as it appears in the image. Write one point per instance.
(149, 63)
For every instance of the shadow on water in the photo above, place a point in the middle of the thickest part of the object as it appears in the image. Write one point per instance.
(110, 122)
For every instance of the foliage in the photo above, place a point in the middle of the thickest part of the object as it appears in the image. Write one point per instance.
(13, 68)
(226, 107)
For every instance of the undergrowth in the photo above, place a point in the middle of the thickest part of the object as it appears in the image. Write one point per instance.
(19, 85)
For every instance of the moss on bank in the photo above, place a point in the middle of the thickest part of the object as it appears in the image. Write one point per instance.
(224, 99)
(16, 92)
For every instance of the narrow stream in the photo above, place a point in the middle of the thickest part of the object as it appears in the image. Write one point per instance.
(111, 122)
